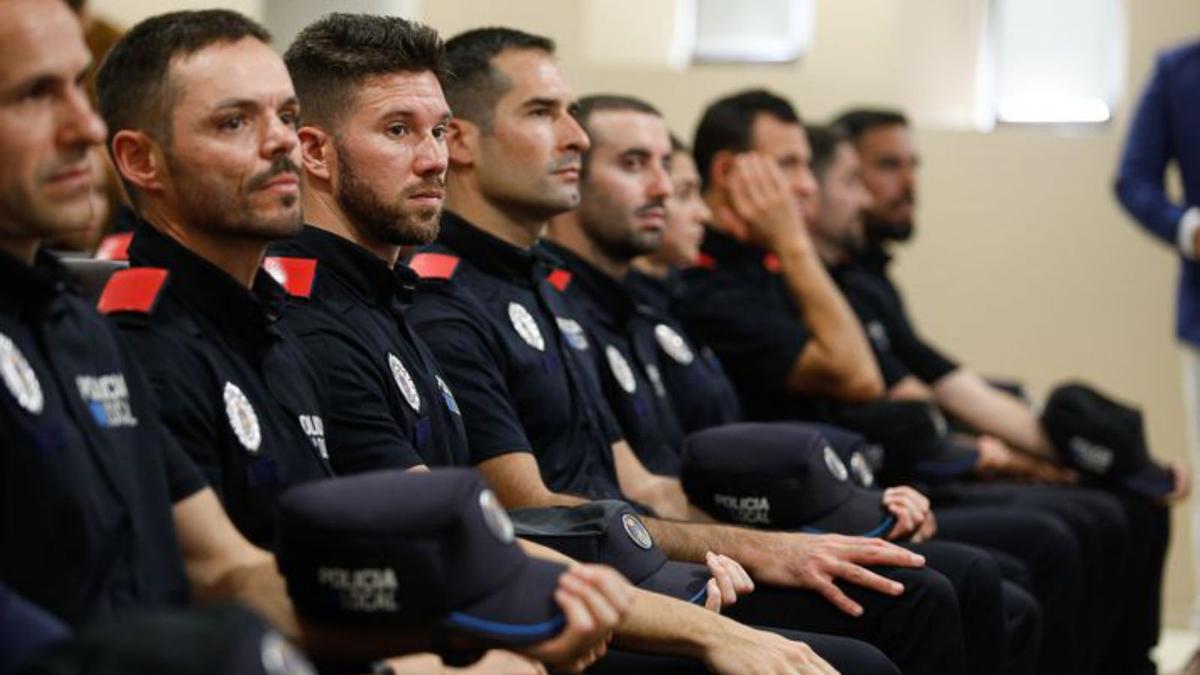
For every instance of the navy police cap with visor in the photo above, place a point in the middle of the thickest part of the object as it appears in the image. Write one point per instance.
(781, 476)
(609, 532)
(393, 547)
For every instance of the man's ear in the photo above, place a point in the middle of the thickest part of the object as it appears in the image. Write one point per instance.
(462, 140)
(138, 159)
(317, 154)
(718, 172)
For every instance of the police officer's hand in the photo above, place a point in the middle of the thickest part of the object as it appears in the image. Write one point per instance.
(594, 599)
(913, 513)
(500, 662)
(1183, 482)
(998, 460)
(815, 561)
(729, 580)
(761, 200)
(747, 651)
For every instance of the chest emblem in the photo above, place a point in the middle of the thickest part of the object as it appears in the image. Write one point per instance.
(242, 418)
(404, 382)
(451, 403)
(673, 344)
(573, 332)
(19, 377)
(620, 369)
(526, 327)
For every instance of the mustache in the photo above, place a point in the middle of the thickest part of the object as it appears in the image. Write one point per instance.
(282, 164)
(571, 161)
(438, 184)
(650, 206)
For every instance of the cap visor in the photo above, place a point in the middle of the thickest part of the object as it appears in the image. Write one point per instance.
(1151, 481)
(682, 581)
(949, 460)
(522, 611)
(861, 515)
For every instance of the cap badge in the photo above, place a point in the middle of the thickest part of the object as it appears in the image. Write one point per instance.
(495, 517)
(19, 377)
(673, 344)
(835, 465)
(242, 418)
(1091, 456)
(858, 464)
(637, 531)
(526, 327)
(404, 382)
(620, 369)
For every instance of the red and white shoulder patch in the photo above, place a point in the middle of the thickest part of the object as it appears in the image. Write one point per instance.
(114, 247)
(559, 279)
(132, 290)
(434, 265)
(296, 275)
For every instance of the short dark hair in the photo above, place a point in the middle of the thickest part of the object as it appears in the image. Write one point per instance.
(858, 121)
(132, 83)
(728, 122)
(677, 144)
(597, 103)
(824, 141)
(474, 86)
(334, 54)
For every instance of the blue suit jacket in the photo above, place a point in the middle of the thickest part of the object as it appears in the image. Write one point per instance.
(1167, 127)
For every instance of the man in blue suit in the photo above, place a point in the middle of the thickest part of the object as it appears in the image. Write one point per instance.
(1165, 128)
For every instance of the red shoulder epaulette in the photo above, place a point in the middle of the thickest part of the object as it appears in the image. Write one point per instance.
(559, 279)
(771, 262)
(296, 275)
(434, 265)
(706, 261)
(132, 290)
(114, 247)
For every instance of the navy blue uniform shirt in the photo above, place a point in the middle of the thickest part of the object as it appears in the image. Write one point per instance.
(702, 394)
(626, 360)
(510, 352)
(87, 472)
(388, 405)
(233, 385)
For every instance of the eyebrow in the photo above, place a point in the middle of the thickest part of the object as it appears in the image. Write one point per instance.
(542, 101)
(408, 113)
(291, 101)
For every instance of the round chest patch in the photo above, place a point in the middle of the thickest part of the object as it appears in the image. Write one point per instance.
(19, 377)
(573, 333)
(526, 327)
(835, 465)
(451, 402)
(858, 464)
(620, 369)
(242, 418)
(637, 531)
(494, 516)
(404, 382)
(673, 344)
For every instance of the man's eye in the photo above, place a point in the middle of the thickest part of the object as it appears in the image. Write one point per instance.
(233, 123)
(397, 129)
(440, 131)
(290, 118)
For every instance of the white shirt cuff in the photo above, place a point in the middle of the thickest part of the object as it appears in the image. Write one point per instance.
(1188, 224)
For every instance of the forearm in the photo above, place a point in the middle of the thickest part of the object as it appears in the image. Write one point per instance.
(838, 360)
(690, 542)
(989, 410)
(658, 624)
(662, 493)
(517, 481)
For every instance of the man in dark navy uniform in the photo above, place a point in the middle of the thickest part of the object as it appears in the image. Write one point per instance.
(536, 420)
(103, 512)
(232, 385)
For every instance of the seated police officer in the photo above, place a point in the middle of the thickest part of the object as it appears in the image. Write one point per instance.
(203, 118)
(536, 422)
(881, 147)
(368, 189)
(104, 513)
(623, 192)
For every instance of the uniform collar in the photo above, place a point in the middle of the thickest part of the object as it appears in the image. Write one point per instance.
(608, 294)
(875, 258)
(32, 287)
(656, 292)
(205, 287)
(493, 255)
(366, 275)
(729, 252)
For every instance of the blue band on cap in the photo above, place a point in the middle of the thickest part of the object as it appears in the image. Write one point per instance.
(462, 620)
(879, 530)
(700, 597)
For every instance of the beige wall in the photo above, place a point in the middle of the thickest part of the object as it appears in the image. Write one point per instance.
(1024, 265)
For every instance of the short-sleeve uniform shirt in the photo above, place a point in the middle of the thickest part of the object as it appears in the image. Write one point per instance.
(628, 363)
(500, 334)
(234, 386)
(702, 394)
(88, 475)
(387, 403)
